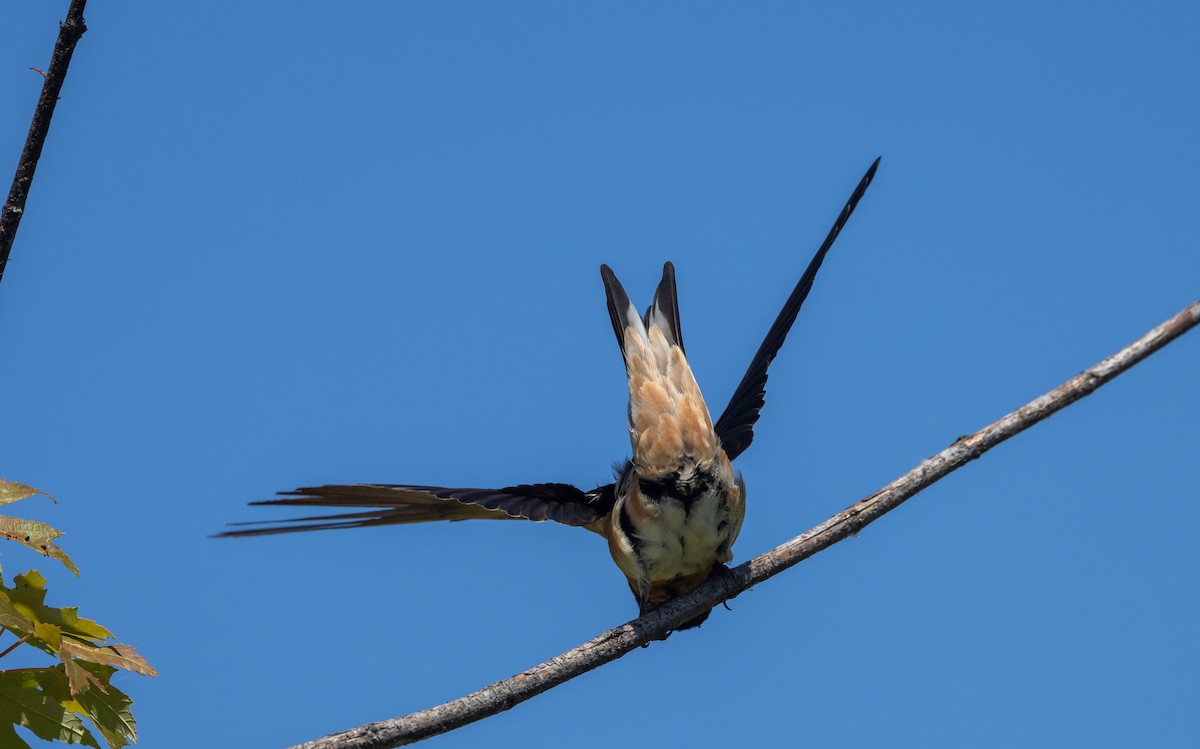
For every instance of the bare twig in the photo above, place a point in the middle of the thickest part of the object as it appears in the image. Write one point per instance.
(13, 647)
(614, 643)
(69, 32)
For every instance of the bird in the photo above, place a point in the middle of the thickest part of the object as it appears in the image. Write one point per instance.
(676, 506)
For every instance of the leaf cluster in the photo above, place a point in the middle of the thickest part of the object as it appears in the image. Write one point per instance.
(52, 701)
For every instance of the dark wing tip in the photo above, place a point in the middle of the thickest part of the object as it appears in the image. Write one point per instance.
(735, 428)
(865, 182)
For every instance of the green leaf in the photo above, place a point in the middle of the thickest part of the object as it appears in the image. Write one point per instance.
(54, 685)
(37, 536)
(27, 596)
(23, 703)
(12, 619)
(108, 709)
(51, 634)
(11, 491)
(57, 687)
(77, 642)
(9, 738)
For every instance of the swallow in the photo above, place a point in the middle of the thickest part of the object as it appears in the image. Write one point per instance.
(676, 506)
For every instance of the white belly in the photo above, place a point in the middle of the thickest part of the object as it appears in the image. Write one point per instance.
(682, 542)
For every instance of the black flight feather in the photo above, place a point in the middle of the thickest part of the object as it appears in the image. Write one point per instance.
(735, 428)
(398, 504)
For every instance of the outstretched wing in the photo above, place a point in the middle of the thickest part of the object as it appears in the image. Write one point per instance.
(392, 504)
(736, 425)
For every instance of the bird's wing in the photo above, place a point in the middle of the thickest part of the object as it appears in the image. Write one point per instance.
(391, 504)
(736, 425)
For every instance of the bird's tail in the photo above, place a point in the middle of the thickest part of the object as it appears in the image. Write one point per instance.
(669, 424)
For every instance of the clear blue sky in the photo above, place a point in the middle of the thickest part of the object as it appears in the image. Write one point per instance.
(280, 244)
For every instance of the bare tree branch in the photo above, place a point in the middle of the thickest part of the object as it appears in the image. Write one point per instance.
(69, 32)
(617, 642)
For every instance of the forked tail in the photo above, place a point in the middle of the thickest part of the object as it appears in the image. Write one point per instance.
(669, 425)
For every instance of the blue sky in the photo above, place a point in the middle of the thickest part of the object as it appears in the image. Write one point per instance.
(273, 246)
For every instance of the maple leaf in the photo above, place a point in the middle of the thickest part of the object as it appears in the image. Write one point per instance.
(36, 535)
(24, 703)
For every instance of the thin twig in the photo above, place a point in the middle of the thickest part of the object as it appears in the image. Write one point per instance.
(69, 32)
(13, 647)
(616, 642)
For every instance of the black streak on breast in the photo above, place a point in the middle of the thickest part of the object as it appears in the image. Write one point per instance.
(672, 488)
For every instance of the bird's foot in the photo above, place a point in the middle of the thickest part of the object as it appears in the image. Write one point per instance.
(722, 572)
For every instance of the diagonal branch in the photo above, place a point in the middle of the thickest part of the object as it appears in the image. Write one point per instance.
(614, 643)
(69, 32)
